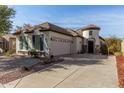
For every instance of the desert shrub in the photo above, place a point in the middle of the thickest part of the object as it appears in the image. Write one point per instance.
(10, 52)
(118, 53)
(104, 49)
(7, 54)
(114, 44)
(33, 53)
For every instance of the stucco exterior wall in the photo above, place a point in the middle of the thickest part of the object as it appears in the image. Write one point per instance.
(95, 35)
(18, 43)
(73, 46)
(78, 44)
(55, 47)
(29, 41)
(58, 44)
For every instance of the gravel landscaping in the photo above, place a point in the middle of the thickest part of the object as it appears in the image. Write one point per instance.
(120, 68)
(11, 67)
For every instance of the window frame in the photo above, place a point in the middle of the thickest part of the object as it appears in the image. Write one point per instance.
(36, 42)
(23, 45)
(90, 33)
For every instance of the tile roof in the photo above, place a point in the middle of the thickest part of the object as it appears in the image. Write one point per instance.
(90, 27)
(74, 33)
(43, 27)
(51, 27)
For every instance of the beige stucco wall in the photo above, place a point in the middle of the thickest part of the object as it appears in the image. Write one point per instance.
(79, 44)
(95, 35)
(73, 46)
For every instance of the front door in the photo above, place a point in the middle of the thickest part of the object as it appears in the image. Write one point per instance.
(90, 47)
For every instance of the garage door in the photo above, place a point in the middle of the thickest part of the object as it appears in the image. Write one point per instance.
(60, 47)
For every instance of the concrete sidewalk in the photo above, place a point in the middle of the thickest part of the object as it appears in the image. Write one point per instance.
(73, 73)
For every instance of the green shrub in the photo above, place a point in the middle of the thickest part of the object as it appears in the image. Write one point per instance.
(33, 53)
(118, 54)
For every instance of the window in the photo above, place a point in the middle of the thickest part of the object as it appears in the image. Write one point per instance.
(37, 42)
(23, 43)
(90, 33)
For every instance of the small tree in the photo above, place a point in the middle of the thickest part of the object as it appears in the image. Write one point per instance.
(6, 13)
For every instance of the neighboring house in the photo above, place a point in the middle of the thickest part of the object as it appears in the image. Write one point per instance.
(55, 40)
(8, 42)
(1, 44)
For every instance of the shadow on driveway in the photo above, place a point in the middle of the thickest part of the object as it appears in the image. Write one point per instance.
(77, 60)
(10, 64)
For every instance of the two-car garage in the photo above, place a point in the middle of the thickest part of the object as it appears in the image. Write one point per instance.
(60, 44)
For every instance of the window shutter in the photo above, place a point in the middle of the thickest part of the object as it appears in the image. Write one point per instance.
(20, 43)
(26, 42)
(38, 42)
(33, 41)
(41, 43)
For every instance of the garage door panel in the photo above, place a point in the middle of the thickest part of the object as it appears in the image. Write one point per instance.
(60, 48)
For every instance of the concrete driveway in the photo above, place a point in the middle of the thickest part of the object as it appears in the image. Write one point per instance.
(77, 71)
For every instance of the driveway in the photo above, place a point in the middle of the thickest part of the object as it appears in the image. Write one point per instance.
(77, 71)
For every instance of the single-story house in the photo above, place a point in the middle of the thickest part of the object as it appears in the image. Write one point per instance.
(55, 40)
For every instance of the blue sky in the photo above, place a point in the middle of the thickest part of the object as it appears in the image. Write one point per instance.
(109, 18)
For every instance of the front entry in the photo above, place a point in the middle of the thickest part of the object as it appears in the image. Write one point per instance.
(90, 47)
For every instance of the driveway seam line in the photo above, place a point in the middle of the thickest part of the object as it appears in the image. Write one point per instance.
(65, 78)
(33, 73)
(18, 81)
